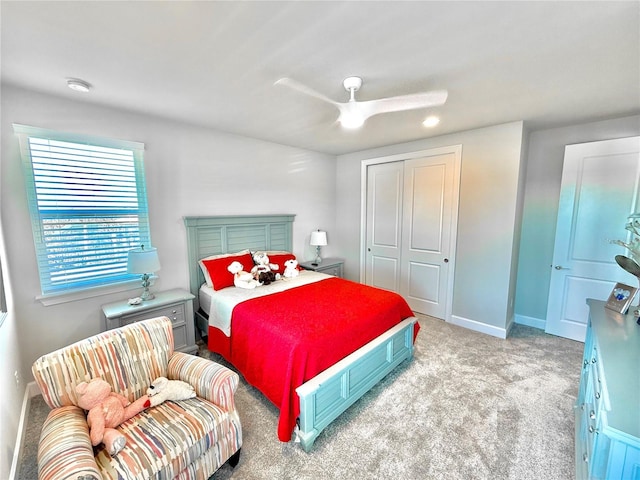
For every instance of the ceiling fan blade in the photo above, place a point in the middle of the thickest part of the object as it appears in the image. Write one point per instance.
(295, 85)
(403, 102)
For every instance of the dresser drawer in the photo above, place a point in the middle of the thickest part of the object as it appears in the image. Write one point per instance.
(175, 313)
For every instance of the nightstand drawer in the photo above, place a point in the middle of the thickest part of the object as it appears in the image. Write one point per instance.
(335, 270)
(329, 266)
(175, 313)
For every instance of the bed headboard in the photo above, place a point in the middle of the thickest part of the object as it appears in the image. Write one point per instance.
(229, 234)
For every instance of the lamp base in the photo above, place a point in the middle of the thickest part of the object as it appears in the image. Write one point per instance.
(147, 295)
(318, 259)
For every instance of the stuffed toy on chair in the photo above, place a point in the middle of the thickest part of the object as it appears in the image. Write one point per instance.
(291, 268)
(162, 389)
(262, 271)
(106, 410)
(242, 279)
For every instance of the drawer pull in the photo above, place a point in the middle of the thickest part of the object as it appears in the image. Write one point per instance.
(593, 360)
(585, 363)
(591, 429)
(174, 311)
(585, 458)
(592, 415)
(598, 395)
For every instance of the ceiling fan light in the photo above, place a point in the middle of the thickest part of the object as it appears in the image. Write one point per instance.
(431, 121)
(352, 121)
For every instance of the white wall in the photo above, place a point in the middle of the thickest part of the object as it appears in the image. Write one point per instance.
(12, 395)
(12, 391)
(488, 220)
(542, 192)
(189, 171)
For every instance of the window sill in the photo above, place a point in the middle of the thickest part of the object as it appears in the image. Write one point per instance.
(66, 297)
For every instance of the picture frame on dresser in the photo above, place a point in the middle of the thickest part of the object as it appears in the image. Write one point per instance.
(621, 297)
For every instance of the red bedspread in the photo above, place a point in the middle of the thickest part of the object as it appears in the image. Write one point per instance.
(280, 341)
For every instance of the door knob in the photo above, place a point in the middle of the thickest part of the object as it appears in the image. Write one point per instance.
(560, 267)
(446, 260)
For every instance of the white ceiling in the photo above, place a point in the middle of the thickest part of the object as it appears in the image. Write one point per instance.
(214, 63)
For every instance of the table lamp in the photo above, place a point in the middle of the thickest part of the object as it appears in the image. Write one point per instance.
(143, 261)
(318, 239)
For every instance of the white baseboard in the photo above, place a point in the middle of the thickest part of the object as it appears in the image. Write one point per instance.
(531, 321)
(30, 391)
(479, 326)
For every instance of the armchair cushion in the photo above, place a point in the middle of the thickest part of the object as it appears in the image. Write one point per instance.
(152, 435)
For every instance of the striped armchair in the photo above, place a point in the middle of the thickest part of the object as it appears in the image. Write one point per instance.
(188, 439)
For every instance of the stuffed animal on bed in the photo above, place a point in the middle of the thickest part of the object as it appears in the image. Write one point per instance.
(291, 268)
(242, 279)
(106, 410)
(162, 389)
(262, 270)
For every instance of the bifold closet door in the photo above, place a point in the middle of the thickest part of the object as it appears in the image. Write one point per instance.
(426, 233)
(385, 184)
(411, 216)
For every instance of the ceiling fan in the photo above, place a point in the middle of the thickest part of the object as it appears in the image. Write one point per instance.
(353, 114)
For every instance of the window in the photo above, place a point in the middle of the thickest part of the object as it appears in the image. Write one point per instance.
(88, 205)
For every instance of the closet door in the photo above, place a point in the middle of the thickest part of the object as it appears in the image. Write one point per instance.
(427, 231)
(410, 226)
(384, 225)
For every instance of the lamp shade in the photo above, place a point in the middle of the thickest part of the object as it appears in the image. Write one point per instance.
(318, 238)
(143, 260)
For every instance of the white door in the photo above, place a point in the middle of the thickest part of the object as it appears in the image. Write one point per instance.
(599, 190)
(426, 235)
(411, 218)
(385, 183)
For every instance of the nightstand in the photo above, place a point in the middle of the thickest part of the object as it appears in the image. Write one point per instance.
(330, 266)
(175, 304)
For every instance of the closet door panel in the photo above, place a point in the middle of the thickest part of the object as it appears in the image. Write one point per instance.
(385, 183)
(426, 230)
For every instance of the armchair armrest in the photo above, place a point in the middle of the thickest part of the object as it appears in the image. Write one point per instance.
(65, 449)
(211, 380)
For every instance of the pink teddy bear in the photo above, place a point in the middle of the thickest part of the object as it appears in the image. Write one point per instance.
(107, 410)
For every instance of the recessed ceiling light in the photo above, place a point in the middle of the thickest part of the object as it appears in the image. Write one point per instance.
(78, 85)
(431, 121)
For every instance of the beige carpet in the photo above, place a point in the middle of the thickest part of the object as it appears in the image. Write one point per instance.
(468, 406)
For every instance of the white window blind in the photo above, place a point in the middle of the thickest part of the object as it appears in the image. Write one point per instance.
(88, 206)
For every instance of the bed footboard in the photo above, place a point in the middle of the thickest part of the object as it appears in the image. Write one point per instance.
(327, 395)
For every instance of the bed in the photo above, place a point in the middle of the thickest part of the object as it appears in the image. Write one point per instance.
(328, 362)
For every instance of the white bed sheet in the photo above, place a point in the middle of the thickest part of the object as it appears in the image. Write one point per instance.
(219, 304)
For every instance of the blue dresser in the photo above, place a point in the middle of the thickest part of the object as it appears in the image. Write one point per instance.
(607, 411)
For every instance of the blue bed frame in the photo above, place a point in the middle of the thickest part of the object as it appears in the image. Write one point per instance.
(330, 393)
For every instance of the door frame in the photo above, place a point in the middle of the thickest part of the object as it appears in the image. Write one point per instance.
(456, 150)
